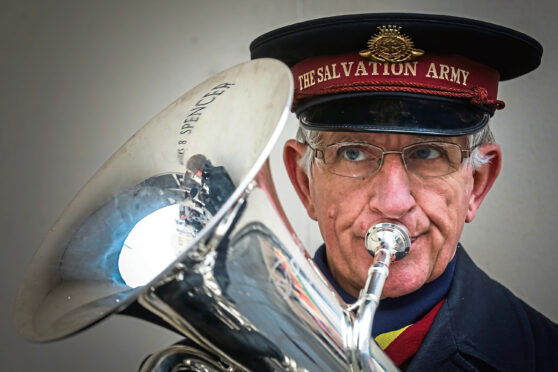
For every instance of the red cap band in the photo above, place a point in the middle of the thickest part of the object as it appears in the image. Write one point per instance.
(441, 75)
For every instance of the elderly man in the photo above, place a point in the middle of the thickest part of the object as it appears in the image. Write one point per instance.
(394, 112)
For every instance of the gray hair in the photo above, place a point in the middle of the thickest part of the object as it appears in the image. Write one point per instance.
(476, 160)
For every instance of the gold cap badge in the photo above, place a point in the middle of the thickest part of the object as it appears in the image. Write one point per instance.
(389, 45)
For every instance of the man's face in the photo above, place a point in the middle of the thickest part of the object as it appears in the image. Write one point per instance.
(433, 209)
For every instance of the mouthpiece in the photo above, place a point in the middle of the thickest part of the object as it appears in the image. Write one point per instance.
(394, 238)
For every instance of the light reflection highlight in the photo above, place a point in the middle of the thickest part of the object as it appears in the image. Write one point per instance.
(152, 245)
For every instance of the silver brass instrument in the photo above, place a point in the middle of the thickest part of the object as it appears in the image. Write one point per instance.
(183, 223)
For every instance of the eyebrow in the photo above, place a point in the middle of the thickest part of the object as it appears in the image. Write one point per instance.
(416, 139)
(430, 138)
(347, 138)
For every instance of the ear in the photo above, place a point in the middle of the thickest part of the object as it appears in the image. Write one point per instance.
(484, 178)
(292, 153)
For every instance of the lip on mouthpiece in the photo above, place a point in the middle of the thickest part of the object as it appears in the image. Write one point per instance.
(390, 236)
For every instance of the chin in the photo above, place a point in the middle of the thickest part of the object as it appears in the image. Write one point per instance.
(398, 291)
(404, 279)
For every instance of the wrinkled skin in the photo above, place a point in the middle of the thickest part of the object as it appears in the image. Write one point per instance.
(434, 210)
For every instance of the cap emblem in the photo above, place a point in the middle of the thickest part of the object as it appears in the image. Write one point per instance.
(389, 45)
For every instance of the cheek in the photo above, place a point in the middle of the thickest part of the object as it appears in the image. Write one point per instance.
(445, 200)
(337, 202)
(445, 203)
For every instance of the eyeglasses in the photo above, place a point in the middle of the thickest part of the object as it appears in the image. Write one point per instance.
(425, 159)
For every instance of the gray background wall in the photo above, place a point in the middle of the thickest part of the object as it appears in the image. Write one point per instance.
(80, 77)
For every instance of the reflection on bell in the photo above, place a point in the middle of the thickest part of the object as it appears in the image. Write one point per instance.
(161, 237)
(139, 262)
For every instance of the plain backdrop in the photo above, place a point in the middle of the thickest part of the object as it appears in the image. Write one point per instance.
(78, 78)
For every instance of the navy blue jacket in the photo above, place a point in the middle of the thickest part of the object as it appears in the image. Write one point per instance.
(483, 327)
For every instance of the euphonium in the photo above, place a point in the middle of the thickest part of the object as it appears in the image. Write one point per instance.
(183, 223)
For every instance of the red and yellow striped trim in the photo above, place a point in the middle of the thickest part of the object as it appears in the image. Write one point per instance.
(402, 344)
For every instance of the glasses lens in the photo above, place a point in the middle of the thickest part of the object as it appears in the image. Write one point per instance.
(352, 159)
(431, 159)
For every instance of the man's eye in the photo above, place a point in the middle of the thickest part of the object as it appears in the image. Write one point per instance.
(426, 153)
(352, 154)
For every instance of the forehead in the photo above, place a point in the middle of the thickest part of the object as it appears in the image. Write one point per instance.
(385, 139)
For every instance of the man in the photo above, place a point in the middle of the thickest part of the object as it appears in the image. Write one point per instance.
(394, 113)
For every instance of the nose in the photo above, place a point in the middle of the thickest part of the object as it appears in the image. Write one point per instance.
(392, 195)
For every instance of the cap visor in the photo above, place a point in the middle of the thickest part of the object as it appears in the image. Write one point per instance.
(393, 113)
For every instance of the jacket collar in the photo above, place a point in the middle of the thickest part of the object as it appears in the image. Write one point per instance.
(481, 319)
